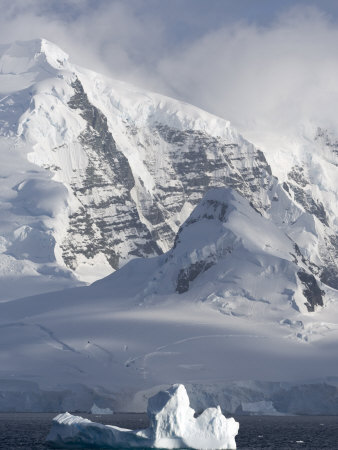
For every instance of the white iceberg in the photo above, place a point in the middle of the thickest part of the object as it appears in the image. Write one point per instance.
(97, 410)
(172, 425)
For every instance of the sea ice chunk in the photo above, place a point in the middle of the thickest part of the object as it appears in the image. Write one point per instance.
(172, 425)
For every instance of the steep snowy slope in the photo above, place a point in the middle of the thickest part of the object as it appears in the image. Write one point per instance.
(134, 164)
(227, 302)
(305, 162)
(32, 213)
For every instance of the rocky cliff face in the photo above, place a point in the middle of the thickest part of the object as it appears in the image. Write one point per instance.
(195, 161)
(128, 219)
(108, 215)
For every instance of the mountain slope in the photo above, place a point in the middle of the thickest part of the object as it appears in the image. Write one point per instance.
(133, 164)
(32, 212)
(306, 163)
(247, 257)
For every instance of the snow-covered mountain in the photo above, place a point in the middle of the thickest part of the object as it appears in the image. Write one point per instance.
(226, 272)
(123, 169)
(247, 258)
(228, 302)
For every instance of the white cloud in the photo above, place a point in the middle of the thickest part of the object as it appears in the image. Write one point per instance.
(267, 78)
(108, 36)
(264, 79)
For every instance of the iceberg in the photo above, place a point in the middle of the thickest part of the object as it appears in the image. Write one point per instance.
(172, 425)
(97, 410)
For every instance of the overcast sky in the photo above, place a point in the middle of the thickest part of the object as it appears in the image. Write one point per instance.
(258, 63)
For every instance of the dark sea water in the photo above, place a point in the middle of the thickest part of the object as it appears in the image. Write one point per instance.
(27, 431)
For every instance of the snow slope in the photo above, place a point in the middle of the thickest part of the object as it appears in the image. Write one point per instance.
(226, 303)
(32, 209)
(131, 166)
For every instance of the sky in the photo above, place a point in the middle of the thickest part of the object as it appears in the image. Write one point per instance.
(262, 64)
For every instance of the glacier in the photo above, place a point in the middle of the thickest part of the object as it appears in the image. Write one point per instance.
(172, 425)
(225, 303)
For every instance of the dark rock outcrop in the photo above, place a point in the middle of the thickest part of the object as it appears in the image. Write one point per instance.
(311, 291)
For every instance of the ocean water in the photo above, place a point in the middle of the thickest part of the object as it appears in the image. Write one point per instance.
(27, 431)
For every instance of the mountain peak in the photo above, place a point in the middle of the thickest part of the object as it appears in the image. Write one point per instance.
(22, 56)
(215, 204)
(54, 54)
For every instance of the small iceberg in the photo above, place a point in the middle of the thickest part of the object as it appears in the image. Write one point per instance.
(97, 410)
(172, 425)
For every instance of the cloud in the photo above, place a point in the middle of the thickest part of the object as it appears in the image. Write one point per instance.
(266, 77)
(110, 36)
(262, 78)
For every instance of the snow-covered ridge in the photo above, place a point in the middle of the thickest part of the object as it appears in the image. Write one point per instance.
(226, 236)
(29, 51)
(24, 63)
